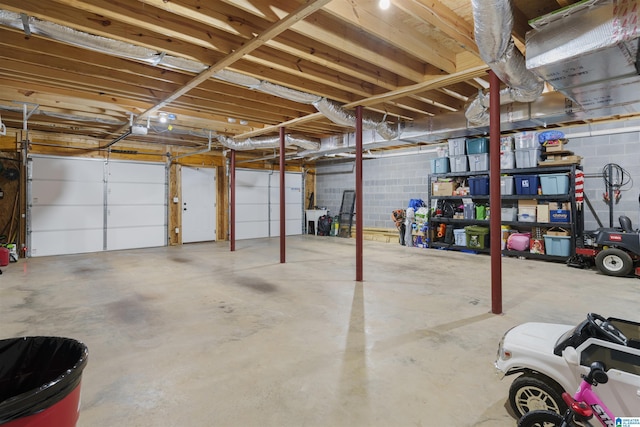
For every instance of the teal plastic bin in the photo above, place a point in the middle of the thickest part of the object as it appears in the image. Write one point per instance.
(557, 245)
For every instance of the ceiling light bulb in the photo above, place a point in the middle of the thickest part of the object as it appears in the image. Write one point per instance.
(244, 122)
(384, 4)
(231, 120)
(162, 118)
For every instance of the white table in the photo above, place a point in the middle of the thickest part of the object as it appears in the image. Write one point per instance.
(313, 215)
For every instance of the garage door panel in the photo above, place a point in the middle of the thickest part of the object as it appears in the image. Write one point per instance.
(67, 193)
(246, 195)
(131, 172)
(130, 216)
(253, 212)
(135, 237)
(245, 178)
(139, 194)
(292, 227)
(47, 243)
(47, 218)
(63, 169)
(292, 211)
(252, 230)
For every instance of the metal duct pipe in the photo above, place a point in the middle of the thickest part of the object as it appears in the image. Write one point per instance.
(339, 115)
(493, 26)
(267, 142)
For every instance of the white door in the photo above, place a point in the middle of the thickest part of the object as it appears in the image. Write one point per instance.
(292, 200)
(258, 204)
(66, 206)
(198, 204)
(252, 204)
(136, 205)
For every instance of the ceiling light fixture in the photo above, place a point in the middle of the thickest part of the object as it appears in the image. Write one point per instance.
(162, 117)
(384, 4)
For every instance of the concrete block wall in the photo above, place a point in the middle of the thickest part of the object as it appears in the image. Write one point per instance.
(389, 183)
(597, 151)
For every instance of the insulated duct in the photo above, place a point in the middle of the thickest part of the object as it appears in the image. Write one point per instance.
(493, 27)
(268, 142)
(130, 51)
(339, 115)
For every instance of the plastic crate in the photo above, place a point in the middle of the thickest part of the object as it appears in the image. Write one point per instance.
(478, 162)
(457, 146)
(477, 236)
(527, 184)
(479, 186)
(527, 214)
(440, 165)
(458, 163)
(506, 185)
(557, 245)
(507, 160)
(477, 145)
(525, 140)
(557, 183)
(509, 214)
(506, 143)
(527, 158)
(460, 237)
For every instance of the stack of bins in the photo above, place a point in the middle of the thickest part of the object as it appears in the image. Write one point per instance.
(527, 150)
(478, 154)
(457, 157)
(507, 157)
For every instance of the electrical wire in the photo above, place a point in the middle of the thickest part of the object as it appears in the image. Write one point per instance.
(619, 178)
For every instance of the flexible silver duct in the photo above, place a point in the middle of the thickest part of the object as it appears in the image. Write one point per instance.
(335, 113)
(339, 115)
(268, 142)
(493, 26)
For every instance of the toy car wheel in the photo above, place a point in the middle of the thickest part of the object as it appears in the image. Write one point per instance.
(614, 262)
(529, 393)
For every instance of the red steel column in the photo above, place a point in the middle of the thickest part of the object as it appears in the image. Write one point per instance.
(359, 194)
(232, 202)
(283, 228)
(495, 233)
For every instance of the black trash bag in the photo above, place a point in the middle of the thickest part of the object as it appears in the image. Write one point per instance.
(37, 372)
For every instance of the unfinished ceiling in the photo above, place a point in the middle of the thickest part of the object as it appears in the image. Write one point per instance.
(237, 69)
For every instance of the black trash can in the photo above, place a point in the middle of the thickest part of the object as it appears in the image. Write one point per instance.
(40, 381)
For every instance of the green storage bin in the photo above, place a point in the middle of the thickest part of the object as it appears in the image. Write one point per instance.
(477, 236)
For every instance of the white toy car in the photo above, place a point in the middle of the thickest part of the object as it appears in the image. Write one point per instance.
(551, 359)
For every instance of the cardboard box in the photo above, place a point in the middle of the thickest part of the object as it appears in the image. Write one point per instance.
(559, 215)
(439, 188)
(557, 231)
(543, 213)
(553, 146)
(527, 203)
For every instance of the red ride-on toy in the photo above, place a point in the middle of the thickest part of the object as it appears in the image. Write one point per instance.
(615, 251)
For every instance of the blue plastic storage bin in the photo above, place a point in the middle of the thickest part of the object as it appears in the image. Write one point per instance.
(477, 145)
(557, 183)
(479, 186)
(440, 165)
(557, 245)
(527, 184)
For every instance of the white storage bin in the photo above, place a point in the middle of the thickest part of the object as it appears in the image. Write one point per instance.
(526, 140)
(457, 146)
(507, 160)
(506, 143)
(527, 214)
(460, 237)
(527, 158)
(478, 162)
(509, 214)
(506, 185)
(458, 163)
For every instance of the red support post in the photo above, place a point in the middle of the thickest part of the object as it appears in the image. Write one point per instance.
(283, 228)
(232, 202)
(359, 261)
(495, 232)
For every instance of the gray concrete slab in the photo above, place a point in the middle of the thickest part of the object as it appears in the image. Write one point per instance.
(199, 336)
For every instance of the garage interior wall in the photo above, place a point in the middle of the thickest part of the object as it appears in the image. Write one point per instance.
(389, 183)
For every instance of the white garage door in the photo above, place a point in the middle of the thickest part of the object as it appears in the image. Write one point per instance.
(69, 212)
(66, 206)
(136, 208)
(258, 204)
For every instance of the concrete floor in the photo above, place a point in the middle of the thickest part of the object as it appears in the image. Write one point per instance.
(199, 336)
